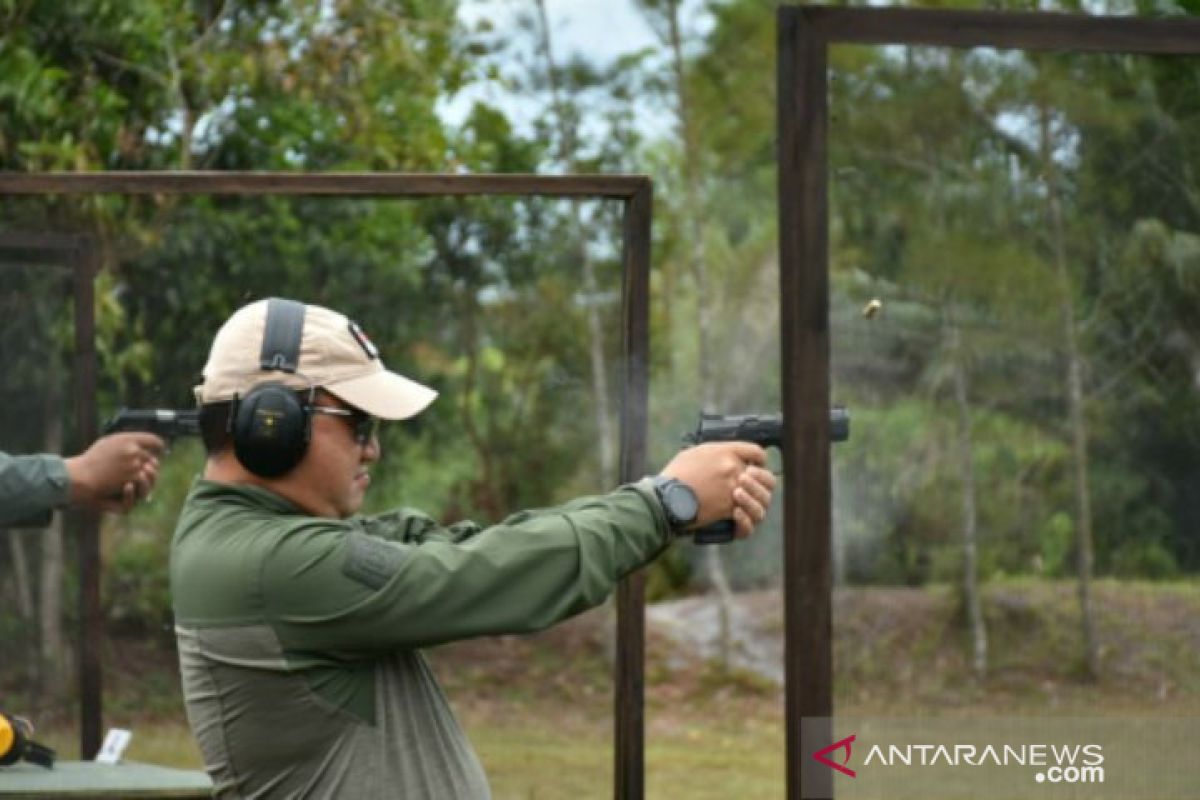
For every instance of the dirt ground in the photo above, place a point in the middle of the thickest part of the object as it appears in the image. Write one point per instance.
(895, 649)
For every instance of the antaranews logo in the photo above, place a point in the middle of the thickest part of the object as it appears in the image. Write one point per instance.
(1056, 764)
(821, 754)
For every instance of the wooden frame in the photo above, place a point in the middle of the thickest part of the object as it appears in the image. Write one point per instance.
(634, 191)
(804, 37)
(78, 253)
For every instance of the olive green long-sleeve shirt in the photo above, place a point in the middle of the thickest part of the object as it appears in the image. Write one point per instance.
(299, 636)
(31, 487)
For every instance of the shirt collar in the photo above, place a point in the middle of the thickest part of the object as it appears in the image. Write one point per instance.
(247, 494)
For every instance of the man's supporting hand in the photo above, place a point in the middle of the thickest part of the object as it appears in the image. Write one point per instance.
(730, 481)
(115, 472)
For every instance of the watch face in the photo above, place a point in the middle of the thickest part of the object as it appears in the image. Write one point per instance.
(682, 504)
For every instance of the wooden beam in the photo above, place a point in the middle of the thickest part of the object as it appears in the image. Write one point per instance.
(332, 183)
(1178, 35)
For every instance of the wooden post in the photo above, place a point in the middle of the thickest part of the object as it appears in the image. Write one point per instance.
(92, 629)
(804, 323)
(629, 767)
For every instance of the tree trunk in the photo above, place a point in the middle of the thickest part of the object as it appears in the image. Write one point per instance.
(705, 306)
(489, 495)
(20, 566)
(1075, 402)
(970, 513)
(1083, 496)
(599, 361)
(24, 600)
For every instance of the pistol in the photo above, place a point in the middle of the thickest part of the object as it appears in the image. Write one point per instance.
(764, 430)
(165, 423)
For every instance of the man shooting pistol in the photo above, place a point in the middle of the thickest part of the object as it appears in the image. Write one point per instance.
(764, 430)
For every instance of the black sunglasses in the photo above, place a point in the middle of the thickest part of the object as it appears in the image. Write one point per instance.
(365, 426)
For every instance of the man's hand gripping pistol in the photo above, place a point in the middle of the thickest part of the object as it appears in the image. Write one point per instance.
(765, 430)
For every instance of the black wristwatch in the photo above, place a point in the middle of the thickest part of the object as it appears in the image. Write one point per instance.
(678, 500)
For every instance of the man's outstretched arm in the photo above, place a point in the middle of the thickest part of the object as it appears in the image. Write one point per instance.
(111, 475)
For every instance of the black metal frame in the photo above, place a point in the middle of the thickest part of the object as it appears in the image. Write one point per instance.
(634, 191)
(804, 37)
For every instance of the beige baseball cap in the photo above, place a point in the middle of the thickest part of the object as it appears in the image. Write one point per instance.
(334, 355)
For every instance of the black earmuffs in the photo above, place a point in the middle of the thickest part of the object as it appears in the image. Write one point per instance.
(271, 426)
(17, 744)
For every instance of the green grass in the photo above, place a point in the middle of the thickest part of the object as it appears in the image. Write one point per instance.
(539, 709)
(529, 758)
(168, 743)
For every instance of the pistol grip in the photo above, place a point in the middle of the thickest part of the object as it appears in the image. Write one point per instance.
(719, 532)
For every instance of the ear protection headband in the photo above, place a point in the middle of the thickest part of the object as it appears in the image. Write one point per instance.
(271, 426)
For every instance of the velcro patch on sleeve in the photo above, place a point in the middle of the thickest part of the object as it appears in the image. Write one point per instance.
(372, 561)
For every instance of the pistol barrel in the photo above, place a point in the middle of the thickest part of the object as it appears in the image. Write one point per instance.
(168, 423)
(765, 430)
